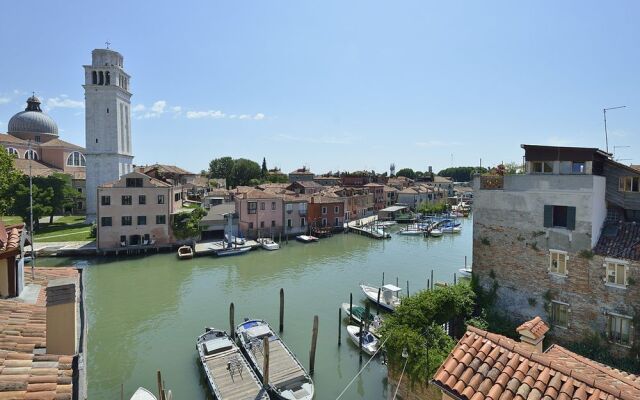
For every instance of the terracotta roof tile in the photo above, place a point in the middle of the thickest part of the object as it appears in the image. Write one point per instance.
(506, 370)
(536, 327)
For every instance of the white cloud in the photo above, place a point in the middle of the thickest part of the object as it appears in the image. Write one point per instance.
(156, 110)
(64, 101)
(158, 106)
(138, 108)
(4, 100)
(176, 109)
(217, 114)
(259, 116)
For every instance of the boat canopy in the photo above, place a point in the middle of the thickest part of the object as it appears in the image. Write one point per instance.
(391, 288)
(259, 331)
(217, 345)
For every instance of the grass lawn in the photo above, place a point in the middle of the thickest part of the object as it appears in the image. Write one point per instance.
(65, 229)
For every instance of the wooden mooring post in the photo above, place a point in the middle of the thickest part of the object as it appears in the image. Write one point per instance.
(360, 342)
(350, 308)
(232, 325)
(314, 342)
(378, 302)
(339, 325)
(397, 281)
(160, 388)
(265, 361)
(383, 279)
(454, 278)
(428, 284)
(281, 310)
(431, 279)
(407, 288)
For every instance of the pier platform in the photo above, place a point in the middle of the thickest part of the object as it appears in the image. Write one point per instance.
(212, 247)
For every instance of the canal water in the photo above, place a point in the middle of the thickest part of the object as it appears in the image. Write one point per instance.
(145, 313)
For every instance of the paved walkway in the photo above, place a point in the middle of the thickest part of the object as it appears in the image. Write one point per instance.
(85, 244)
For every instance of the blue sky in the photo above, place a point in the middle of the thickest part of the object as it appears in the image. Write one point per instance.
(338, 85)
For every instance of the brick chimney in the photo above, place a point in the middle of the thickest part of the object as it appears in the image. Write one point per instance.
(532, 333)
(61, 316)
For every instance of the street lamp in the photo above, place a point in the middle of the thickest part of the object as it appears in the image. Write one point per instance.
(33, 250)
(604, 113)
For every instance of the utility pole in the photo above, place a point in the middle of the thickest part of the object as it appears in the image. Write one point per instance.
(33, 249)
(606, 135)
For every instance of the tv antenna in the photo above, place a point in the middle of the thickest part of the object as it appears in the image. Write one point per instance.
(604, 113)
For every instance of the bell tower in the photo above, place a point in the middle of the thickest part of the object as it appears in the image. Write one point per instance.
(107, 123)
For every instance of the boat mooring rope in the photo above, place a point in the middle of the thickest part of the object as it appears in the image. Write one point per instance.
(362, 369)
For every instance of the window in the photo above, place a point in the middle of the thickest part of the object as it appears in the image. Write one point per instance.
(558, 262)
(142, 220)
(37, 139)
(13, 151)
(126, 221)
(337, 222)
(105, 200)
(542, 167)
(134, 182)
(252, 207)
(262, 205)
(76, 159)
(31, 155)
(324, 222)
(629, 184)
(289, 208)
(559, 314)
(261, 224)
(161, 219)
(142, 199)
(250, 225)
(273, 205)
(79, 190)
(160, 199)
(578, 168)
(560, 217)
(619, 329)
(616, 273)
(105, 221)
(126, 200)
(324, 210)
(94, 77)
(177, 196)
(289, 224)
(336, 209)
(303, 222)
(273, 223)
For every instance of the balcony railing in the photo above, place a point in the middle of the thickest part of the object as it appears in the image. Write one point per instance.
(491, 182)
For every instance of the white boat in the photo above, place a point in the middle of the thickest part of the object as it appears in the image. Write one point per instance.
(357, 315)
(143, 394)
(268, 244)
(232, 251)
(288, 380)
(234, 239)
(465, 272)
(306, 238)
(435, 232)
(389, 298)
(451, 229)
(185, 252)
(386, 223)
(227, 372)
(410, 230)
(369, 341)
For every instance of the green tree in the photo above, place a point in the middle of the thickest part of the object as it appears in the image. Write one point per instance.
(42, 200)
(264, 171)
(407, 173)
(186, 225)
(462, 174)
(221, 168)
(8, 177)
(243, 172)
(64, 194)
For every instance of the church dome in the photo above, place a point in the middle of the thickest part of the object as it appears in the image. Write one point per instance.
(32, 120)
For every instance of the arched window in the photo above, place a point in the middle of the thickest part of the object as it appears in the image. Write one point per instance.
(13, 151)
(76, 159)
(101, 74)
(31, 155)
(94, 77)
(108, 78)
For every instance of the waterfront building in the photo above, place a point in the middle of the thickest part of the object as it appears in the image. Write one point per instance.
(390, 195)
(259, 213)
(301, 174)
(107, 123)
(358, 202)
(415, 196)
(32, 138)
(485, 365)
(43, 338)
(305, 187)
(215, 223)
(561, 241)
(135, 211)
(325, 212)
(377, 190)
(295, 214)
(12, 240)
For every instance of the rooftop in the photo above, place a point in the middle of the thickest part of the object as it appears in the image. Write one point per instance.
(485, 365)
(619, 240)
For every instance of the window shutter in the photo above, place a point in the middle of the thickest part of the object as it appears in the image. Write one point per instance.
(571, 218)
(548, 216)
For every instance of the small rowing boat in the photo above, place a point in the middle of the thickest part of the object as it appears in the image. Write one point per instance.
(268, 244)
(306, 238)
(185, 252)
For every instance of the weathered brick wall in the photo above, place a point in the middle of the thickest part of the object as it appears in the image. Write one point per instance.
(407, 391)
(519, 261)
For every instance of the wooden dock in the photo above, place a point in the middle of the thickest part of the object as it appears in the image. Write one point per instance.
(237, 382)
(366, 226)
(211, 248)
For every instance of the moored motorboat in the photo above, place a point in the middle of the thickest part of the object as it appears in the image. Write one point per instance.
(389, 295)
(185, 252)
(369, 341)
(411, 230)
(143, 394)
(465, 272)
(268, 244)
(306, 238)
(451, 229)
(232, 251)
(234, 239)
(359, 313)
(435, 232)
(228, 374)
(288, 380)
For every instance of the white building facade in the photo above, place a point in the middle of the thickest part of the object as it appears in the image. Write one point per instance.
(107, 123)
